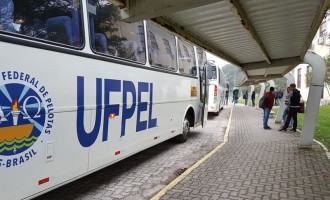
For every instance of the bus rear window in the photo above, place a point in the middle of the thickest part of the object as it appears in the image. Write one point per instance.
(54, 20)
(213, 72)
(111, 36)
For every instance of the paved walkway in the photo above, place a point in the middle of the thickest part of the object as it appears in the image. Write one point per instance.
(258, 164)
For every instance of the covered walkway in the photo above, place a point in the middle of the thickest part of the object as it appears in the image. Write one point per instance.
(257, 164)
(266, 39)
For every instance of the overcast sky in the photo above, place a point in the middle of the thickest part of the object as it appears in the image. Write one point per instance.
(220, 62)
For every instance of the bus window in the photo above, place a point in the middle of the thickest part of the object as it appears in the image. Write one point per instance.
(186, 54)
(201, 57)
(54, 20)
(213, 71)
(113, 37)
(161, 45)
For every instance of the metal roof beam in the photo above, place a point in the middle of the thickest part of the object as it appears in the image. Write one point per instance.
(262, 77)
(320, 13)
(275, 63)
(240, 13)
(137, 10)
(192, 38)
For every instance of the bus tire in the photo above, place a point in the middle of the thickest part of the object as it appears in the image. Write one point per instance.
(185, 130)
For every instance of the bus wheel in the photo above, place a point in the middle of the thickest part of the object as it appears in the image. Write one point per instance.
(185, 130)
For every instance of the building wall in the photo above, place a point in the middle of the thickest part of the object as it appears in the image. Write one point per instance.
(302, 87)
(320, 45)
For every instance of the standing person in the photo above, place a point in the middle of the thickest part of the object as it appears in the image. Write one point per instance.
(294, 99)
(286, 110)
(268, 106)
(278, 97)
(226, 97)
(253, 97)
(227, 93)
(245, 97)
(235, 95)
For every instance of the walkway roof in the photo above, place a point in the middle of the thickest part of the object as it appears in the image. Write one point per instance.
(265, 38)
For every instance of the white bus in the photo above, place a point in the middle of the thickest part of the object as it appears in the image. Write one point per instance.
(81, 90)
(217, 88)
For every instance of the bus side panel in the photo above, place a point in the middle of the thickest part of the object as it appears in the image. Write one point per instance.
(137, 127)
(45, 91)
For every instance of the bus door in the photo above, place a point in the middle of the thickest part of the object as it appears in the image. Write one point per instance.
(204, 85)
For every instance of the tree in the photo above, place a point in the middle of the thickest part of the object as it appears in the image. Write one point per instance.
(233, 74)
(280, 84)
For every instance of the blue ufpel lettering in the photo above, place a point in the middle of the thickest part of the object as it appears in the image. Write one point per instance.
(105, 88)
(128, 87)
(142, 106)
(110, 86)
(87, 139)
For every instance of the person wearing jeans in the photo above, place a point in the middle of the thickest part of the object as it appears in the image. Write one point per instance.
(294, 100)
(285, 113)
(266, 117)
(268, 106)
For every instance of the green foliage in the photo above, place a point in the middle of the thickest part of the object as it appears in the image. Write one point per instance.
(105, 22)
(106, 17)
(233, 75)
(327, 74)
(280, 84)
(257, 88)
(41, 9)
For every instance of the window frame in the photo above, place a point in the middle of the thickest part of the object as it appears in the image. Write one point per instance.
(23, 37)
(191, 57)
(168, 33)
(112, 56)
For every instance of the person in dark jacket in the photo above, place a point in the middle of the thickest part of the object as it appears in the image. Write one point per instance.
(294, 104)
(245, 97)
(253, 97)
(269, 105)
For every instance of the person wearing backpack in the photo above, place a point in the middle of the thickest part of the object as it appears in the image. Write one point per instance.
(294, 104)
(268, 105)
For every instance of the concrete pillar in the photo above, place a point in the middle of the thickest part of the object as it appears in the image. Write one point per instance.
(272, 84)
(289, 79)
(314, 97)
(262, 90)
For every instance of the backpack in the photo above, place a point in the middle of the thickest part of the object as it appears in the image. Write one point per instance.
(278, 94)
(263, 102)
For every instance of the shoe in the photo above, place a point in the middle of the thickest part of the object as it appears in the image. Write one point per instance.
(282, 129)
(267, 127)
(292, 130)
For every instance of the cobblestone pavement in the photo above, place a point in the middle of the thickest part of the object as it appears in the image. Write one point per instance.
(141, 176)
(258, 164)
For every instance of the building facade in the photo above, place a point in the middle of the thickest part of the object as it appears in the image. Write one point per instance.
(320, 45)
